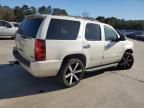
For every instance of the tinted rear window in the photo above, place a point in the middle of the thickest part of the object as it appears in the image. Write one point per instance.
(93, 32)
(63, 29)
(29, 27)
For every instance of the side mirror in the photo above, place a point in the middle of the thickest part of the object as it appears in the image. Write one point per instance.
(122, 37)
(116, 40)
(119, 39)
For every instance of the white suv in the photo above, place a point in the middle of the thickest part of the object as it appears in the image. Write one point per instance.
(63, 46)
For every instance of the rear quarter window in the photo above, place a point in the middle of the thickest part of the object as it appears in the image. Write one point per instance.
(29, 27)
(63, 29)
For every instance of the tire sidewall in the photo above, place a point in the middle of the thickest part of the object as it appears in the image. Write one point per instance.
(64, 68)
(132, 57)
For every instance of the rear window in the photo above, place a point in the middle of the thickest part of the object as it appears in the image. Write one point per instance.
(29, 27)
(63, 29)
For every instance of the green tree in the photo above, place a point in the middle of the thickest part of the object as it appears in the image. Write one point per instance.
(25, 10)
(43, 10)
(111, 21)
(101, 19)
(6, 13)
(49, 10)
(21, 12)
(17, 13)
(33, 10)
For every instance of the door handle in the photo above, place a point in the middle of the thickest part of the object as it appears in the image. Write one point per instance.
(87, 46)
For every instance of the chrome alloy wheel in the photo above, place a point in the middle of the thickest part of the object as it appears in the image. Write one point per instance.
(127, 61)
(71, 72)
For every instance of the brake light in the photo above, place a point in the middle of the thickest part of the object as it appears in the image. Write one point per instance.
(40, 50)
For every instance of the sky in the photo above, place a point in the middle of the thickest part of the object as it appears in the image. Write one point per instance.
(123, 9)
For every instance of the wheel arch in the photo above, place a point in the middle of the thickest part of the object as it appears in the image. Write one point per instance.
(129, 51)
(82, 57)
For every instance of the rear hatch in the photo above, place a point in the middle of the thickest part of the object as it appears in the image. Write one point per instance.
(26, 36)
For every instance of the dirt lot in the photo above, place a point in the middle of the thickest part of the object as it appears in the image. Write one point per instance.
(107, 88)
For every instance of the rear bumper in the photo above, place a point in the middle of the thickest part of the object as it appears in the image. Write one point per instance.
(40, 68)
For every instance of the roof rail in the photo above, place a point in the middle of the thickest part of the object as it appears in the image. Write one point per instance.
(86, 18)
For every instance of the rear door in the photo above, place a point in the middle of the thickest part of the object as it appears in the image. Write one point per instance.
(64, 37)
(93, 46)
(26, 35)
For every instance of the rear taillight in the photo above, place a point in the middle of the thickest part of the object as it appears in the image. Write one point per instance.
(40, 50)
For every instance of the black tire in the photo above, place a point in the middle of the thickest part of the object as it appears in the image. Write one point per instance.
(127, 61)
(71, 72)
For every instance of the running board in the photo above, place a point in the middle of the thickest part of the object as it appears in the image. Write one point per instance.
(101, 67)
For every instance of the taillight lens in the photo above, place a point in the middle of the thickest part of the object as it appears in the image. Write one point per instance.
(40, 50)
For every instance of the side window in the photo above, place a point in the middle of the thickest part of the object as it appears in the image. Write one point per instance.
(2, 23)
(63, 29)
(110, 34)
(93, 32)
(5, 24)
(8, 25)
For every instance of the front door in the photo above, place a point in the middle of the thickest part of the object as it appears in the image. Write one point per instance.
(113, 48)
